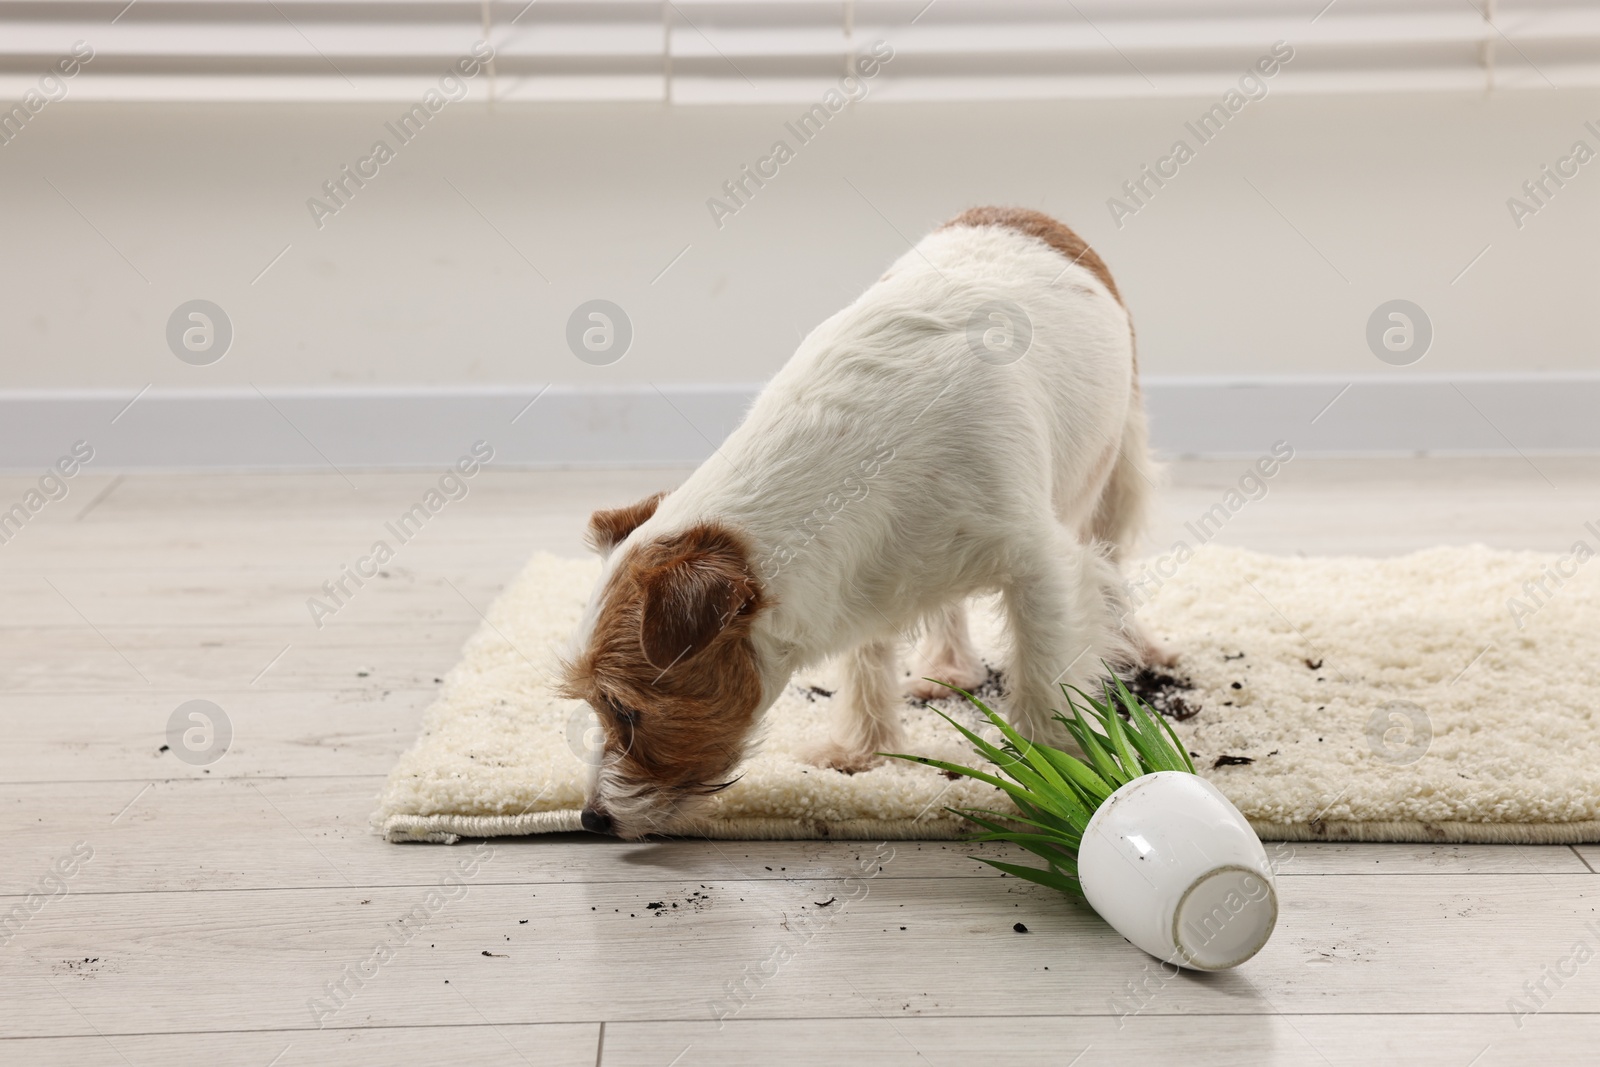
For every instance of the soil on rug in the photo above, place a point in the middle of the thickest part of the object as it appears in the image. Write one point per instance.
(1164, 692)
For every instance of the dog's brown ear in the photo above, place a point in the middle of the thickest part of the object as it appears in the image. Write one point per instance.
(608, 527)
(703, 586)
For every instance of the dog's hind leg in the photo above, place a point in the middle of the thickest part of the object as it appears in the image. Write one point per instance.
(1061, 626)
(1119, 519)
(947, 654)
(866, 711)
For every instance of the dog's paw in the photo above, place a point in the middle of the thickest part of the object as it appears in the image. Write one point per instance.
(832, 756)
(1147, 651)
(1154, 654)
(962, 676)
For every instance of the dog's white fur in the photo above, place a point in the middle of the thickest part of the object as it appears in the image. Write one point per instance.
(887, 472)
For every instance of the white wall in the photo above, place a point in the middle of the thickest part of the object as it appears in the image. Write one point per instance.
(410, 286)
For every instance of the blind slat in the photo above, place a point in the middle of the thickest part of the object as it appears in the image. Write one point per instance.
(755, 51)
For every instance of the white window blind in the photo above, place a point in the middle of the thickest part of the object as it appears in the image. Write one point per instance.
(752, 51)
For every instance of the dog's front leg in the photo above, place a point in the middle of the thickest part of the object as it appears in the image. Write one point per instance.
(866, 712)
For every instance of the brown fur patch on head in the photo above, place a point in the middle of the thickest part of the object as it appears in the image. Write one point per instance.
(669, 667)
(1038, 225)
(609, 526)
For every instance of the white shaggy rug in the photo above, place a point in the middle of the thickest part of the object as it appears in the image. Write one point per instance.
(1332, 699)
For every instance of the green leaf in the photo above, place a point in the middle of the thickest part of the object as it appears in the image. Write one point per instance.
(1053, 854)
(1077, 805)
(1179, 752)
(1155, 752)
(1095, 748)
(1068, 836)
(1074, 821)
(1138, 716)
(954, 768)
(1151, 745)
(1069, 808)
(1040, 766)
(1125, 753)
(1048, 879)
(1018, 793)
(1055, 792)
(1045, 786)
(994, 754)
(1177, 747)
(1151, 742)
(1052, 849)
(1055, 850)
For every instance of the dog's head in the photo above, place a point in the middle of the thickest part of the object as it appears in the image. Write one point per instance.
(667, 664)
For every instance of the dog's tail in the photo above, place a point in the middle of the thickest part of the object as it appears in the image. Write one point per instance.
(1119, 516)
(1119, 519)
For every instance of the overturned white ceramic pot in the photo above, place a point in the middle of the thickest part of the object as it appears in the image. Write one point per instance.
(1170, 863)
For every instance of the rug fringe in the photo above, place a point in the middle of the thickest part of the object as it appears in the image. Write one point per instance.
(1434, 833)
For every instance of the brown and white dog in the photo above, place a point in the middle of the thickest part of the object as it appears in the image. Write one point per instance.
(971, 423)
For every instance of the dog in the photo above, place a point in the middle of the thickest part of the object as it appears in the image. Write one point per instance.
(971, 423)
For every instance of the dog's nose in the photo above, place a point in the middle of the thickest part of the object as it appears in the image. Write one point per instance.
(596, 822)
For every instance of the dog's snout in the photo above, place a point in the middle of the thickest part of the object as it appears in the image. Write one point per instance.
(596, 822)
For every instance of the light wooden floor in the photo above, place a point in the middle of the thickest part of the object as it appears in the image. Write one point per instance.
(221, 902)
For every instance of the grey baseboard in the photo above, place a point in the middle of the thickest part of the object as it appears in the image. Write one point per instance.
(1466, 415)
(678, 425)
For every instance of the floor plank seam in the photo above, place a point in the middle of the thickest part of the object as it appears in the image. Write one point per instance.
(707, 1020)
(798, 882)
